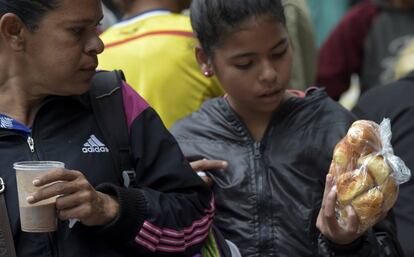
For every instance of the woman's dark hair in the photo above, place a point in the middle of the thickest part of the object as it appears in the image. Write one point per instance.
(213, 19)
(29, 11)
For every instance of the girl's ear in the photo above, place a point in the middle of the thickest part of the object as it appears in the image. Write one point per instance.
(204, 62)
(12, 31)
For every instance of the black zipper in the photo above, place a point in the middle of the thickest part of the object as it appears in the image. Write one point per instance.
(53, 243)
(265, 230)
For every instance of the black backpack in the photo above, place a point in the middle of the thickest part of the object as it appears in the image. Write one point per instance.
(107, 104)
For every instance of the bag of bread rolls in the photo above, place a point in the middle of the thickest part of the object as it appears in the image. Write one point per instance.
(366, 172)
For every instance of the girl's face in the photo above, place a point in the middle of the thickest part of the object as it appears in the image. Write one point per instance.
(254, 65)
(60, 56)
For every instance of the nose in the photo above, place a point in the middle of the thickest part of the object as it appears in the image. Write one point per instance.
(94, 45)
(268, 73)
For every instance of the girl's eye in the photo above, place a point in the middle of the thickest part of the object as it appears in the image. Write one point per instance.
(279, 54)
(243, 66)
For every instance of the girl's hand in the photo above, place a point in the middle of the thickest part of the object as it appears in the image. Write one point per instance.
(327, 223)
(77, 199)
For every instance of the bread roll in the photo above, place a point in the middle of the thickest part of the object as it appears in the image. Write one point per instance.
(368, 207)
(351, 184)
(376, 166)
(363, 136)
(363, 177)
(390, 191)
(344, 158)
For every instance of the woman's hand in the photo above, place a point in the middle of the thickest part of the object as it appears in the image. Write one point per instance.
(327, 223)
(77, 199)
(202, 165)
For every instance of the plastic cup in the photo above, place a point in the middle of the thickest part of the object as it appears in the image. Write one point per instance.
(41, 216)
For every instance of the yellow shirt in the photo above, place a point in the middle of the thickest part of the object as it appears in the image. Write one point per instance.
(156, 52)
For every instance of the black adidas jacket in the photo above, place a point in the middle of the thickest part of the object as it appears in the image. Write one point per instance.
(168, 214)
(270, 195)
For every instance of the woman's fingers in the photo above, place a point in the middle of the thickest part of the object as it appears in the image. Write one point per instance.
(61, 186)
(99, 209)
(54, 175)
(201, 166)
(72, 200)
(205, 164)
(78, 212)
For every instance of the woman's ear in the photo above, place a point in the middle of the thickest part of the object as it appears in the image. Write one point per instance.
(204, 62)
(12, 31)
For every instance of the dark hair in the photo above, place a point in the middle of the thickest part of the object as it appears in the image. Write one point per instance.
(213, 19)
(29, 11)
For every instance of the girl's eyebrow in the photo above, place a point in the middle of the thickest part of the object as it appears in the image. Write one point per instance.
(278, 44)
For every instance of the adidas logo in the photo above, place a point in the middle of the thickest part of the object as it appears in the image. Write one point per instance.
(94, 146)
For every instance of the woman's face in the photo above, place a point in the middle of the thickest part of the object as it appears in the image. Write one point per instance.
(254, 65)
(60, 56)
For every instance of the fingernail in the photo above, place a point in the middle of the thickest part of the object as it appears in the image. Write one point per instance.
(328, 178)
(36, 182)
(30, 198)
(224, 164)
(334, 189)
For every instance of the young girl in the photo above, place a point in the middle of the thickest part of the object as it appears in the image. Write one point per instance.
(271, 199)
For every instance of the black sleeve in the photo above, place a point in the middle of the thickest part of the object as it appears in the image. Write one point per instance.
(380, 241)
(171, 210)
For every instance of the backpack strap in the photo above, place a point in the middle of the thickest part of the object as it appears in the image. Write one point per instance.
(6, 237)
(107, 104)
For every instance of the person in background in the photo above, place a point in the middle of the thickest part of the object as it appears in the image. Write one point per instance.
(154, 46)
(274, 197)
(301, 32)
(108, 20)
(405, 63)
(325, 16)
(395, 101)
(48, 58)
(366, 42)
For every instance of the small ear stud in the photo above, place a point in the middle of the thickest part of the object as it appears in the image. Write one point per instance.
(207, 72)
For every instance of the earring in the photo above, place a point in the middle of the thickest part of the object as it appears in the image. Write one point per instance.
(207, 71)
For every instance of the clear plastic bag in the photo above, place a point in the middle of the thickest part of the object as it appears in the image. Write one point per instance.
(366, 172)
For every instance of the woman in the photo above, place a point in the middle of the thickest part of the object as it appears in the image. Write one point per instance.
(271, 198)
(48, 56)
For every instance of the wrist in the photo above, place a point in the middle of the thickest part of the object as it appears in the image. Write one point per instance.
(110, 208)
(344, 245)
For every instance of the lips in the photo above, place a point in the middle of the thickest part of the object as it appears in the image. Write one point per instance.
(270, 93)
(91, 67)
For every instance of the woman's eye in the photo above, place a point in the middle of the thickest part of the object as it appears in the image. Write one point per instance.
(243, 66)
(77, 30)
